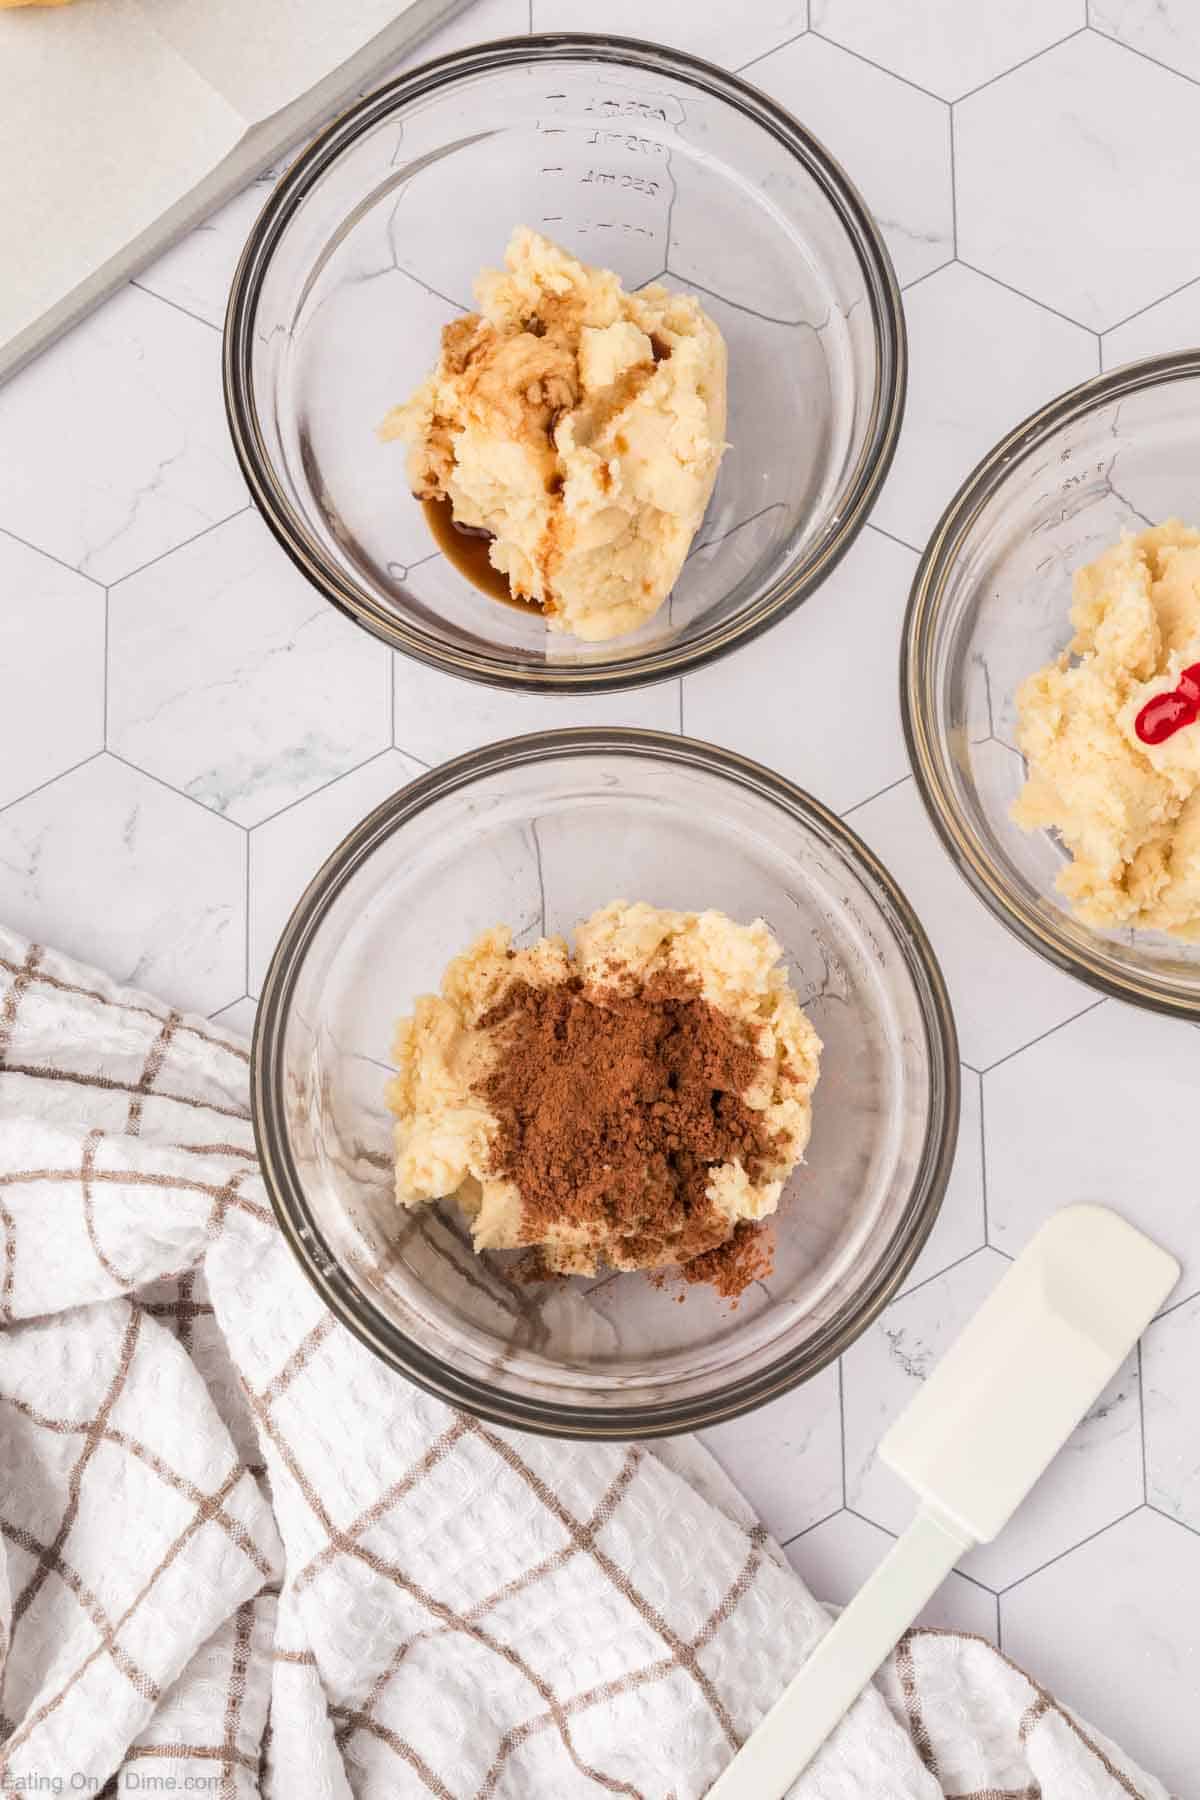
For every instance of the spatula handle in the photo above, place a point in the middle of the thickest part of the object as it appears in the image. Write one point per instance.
(816, 1698)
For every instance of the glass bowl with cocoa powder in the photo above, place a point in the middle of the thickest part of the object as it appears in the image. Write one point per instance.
(537, 834)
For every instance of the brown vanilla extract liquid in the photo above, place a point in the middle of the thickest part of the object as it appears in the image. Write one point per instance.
(466, 548)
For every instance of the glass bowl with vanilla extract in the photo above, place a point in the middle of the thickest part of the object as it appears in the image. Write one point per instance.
(634, 158)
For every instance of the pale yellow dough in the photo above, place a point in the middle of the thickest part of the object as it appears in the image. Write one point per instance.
(1128, 812)
(444, 1134)
(549, 422)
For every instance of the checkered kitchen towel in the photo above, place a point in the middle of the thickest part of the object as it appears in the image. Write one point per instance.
(239, 1556)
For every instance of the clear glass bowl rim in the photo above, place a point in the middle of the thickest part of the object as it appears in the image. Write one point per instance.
(439, 1378)
(917, 684)
(787, 591)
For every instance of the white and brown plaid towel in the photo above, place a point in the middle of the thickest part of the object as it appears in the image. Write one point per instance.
(237, 1551)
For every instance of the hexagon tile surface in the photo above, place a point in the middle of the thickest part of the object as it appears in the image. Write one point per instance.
(863, 601)
(1034, 170)
(721, 34)
(114, 448)
(52, 650)
(1171, 1398)
(943, 45)
(287, 851)
(235, 682)
(1113, 1630)
(982, 359)
(861, 113)
(1054, 1133)
(1002, 996)
(1052, 156)
(116, 869)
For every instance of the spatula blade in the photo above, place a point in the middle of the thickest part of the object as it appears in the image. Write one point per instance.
(1025, 1370)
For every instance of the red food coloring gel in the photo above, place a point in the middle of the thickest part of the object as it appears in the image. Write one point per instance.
(1167, 713)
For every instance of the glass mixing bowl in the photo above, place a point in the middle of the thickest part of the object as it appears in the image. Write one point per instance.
(638, 158)
(990, 604)
(537, 833)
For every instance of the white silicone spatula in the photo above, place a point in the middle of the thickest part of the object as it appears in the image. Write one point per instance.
(975, 1438)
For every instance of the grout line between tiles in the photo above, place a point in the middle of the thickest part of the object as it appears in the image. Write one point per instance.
(842, 1424)
(908, 1292)
(741, 68)
(51, 779)
(412, 756)
(904, 80)
(71, 568)
(859, 804)
(871, 525)
(175, 306)
(1171, 1518)
(1042, 1036)
(953, 186)
(1156, 62)
(183, 545)
(1043, 305)
(815, 1526)
(1141, 1386)
(983, 1175)
(1024, 63)
(1149, 306)
(1070, 1548)
(313, 792)
(214, 1016)
(1175, 1306)
(104, 699)
(210, 812)
(907, 286)
(246, 931)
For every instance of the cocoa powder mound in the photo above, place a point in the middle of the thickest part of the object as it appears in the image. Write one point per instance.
(613, 1108)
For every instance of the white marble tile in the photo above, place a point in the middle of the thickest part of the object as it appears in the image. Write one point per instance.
(1113, 1630)
(960, 1226)
(943, 45)
(1171, 324)
(1168, 30)
(477, 23)
(844, 639)
(238, 1018)
(787, 1457)
(835, 1558)
(287, 851)
(1002, 996)
(1171, 1401)
(438, 716)
(861, 114)
(52, 664)
(981, 358)
(1072, 174)
(235, 681)
(1096, 1478)
(114, 447)
(195, 274)
(721, 34)
(113, 868)
(1104, 1109)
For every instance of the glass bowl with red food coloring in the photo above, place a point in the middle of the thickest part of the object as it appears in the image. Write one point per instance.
(537, 833)
(990, 604)
(633, 157)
